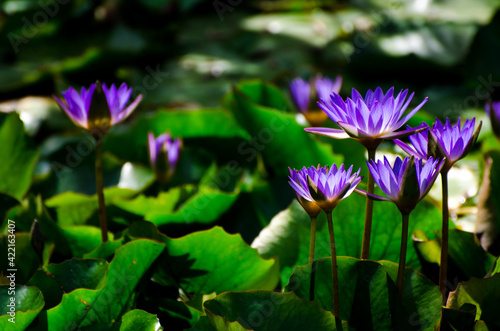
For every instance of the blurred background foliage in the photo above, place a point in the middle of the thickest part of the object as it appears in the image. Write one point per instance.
(185, 56)
(216, 73)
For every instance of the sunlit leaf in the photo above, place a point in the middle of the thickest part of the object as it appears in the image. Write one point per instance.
(19, 158)
(27, 302)
(56, 279)
(483, 293)
(288, 235)
(85, 307)
(229, 265)
(140, 320)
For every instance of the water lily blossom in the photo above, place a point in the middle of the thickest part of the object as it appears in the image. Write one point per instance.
(405, 184)
(303, 92)
(369, 120)
(298, 181)
(325, 187)
(450, 141)
(164, 154)
(98, 107)
(330, 185)
(453, 142)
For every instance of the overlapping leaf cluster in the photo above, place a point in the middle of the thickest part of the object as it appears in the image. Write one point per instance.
(137, 277)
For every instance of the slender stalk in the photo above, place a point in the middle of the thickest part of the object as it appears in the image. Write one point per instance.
(313, 240)
(335, 278)
(444, 235)
(365, 248)
(311, 257)
(402, 253)
(100, 191)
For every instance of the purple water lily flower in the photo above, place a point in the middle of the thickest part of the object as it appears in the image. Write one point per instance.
(369, 120)
(302, 94)
(78, 105)
(452, 142)
(325, 86)
(164, 154)
(405, 183)
(493, 110)
(326, 186)
(298, 181)
(301, 90)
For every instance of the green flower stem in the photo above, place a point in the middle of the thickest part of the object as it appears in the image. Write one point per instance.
(311, 256)
(100, 191)
(335, 278)
(402, 253)
(444, 235)
(365, 248)
(313, 240)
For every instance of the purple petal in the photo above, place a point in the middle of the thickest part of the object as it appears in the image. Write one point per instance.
(173, 152)
(332, 133)
(410, 114)
(405, 147)
(353, 132)
(153, 153)
(126, 113)
(325, 86)
(301, 92)
(370, 195)
(403, 133)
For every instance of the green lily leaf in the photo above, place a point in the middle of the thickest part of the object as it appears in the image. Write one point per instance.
(288, 234)
(18, 164)
(131, 144)
(264, 94)
(263, 310)
(421, 298)
(274, 133)
(87, 307)
(175, 309)
(106, 250)
(203, 204)
(212, 322)
(366, 298)
(483, 293)
(56, 279)
(83, 239)
(229, 265)
(461, 319)
(27, 305)
(464, 251)
(496, 267)
(76, 208)
(70, 241)
(140, 320)
(25, 259)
